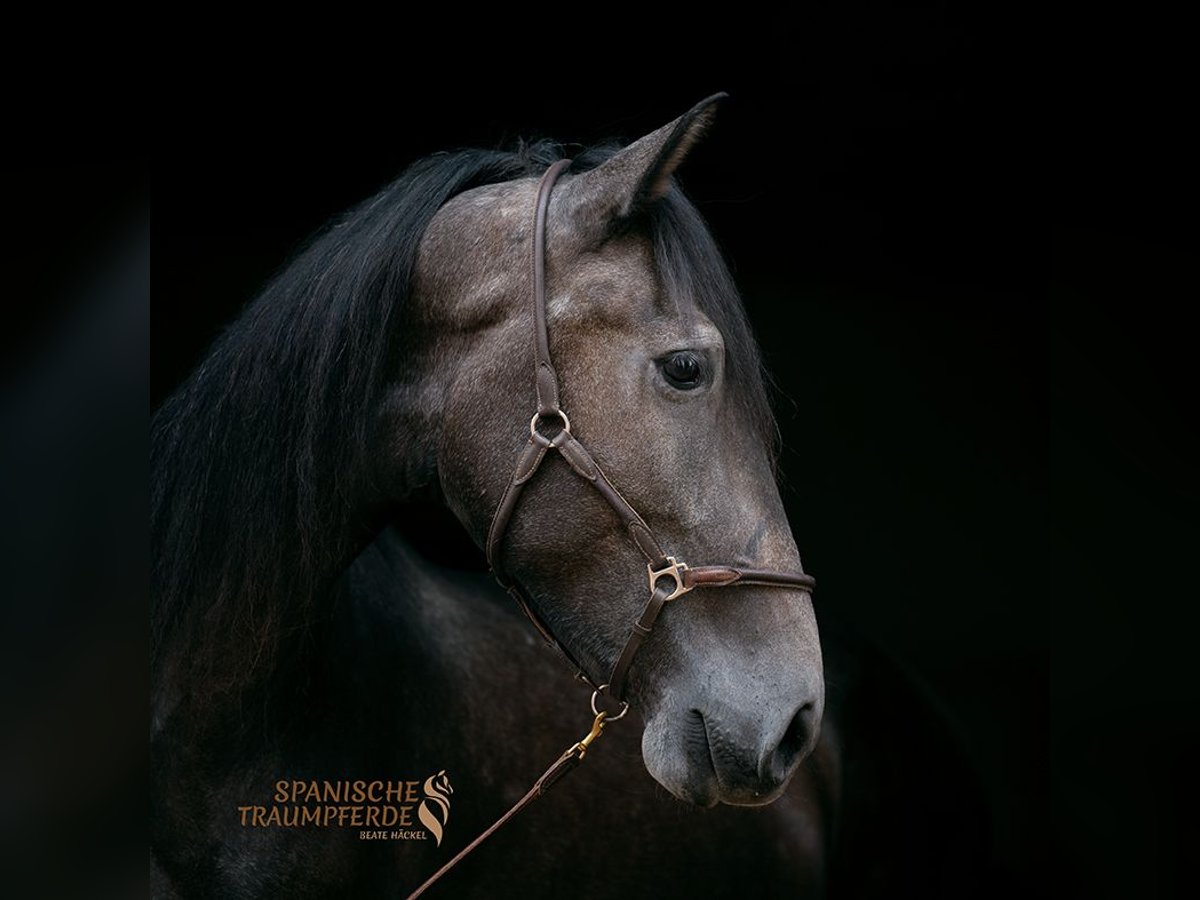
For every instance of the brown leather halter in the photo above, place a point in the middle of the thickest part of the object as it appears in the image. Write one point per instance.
(669, 578)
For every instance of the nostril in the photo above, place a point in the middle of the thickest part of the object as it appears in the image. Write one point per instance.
(793, 744)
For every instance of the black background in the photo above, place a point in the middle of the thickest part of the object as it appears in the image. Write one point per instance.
(965, 236)
(879, 180)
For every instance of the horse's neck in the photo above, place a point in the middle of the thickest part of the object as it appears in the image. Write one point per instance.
(440, 628)
(453, 653)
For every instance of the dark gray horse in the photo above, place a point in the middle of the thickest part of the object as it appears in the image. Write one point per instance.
(312, 623)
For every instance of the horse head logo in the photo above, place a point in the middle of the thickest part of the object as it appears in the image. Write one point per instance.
(434, 810)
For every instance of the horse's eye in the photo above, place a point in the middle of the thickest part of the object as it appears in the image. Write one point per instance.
(682, 370)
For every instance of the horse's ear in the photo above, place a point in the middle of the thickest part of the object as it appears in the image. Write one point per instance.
(640, 173)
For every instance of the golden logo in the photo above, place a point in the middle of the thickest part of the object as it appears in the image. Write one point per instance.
(437, 797)
(383, 810)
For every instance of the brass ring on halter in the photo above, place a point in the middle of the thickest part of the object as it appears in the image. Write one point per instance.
(618, 716)
(541, 438)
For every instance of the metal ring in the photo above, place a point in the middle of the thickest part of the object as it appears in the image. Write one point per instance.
(566, 423)
(618, 716)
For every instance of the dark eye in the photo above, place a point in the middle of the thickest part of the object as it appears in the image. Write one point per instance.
(683, 370)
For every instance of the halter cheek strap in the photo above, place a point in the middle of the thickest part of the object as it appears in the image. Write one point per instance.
(668, 578)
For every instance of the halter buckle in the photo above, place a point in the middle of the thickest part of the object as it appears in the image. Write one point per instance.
(675, 570)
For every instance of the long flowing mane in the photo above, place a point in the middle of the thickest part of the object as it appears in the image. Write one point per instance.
(259, 460)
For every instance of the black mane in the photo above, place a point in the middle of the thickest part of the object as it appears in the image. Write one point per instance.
(258, 458)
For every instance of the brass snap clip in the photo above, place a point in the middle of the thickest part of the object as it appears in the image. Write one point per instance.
(597, 728)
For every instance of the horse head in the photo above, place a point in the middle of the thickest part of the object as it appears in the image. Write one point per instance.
(663, 383)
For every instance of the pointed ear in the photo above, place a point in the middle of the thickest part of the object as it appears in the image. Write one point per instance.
(641, 173)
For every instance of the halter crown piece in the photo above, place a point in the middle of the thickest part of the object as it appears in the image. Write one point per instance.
(668, 578)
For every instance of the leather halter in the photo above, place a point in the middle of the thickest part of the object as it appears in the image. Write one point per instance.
(668, 578)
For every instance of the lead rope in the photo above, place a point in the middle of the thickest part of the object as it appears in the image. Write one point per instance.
(567, 762)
